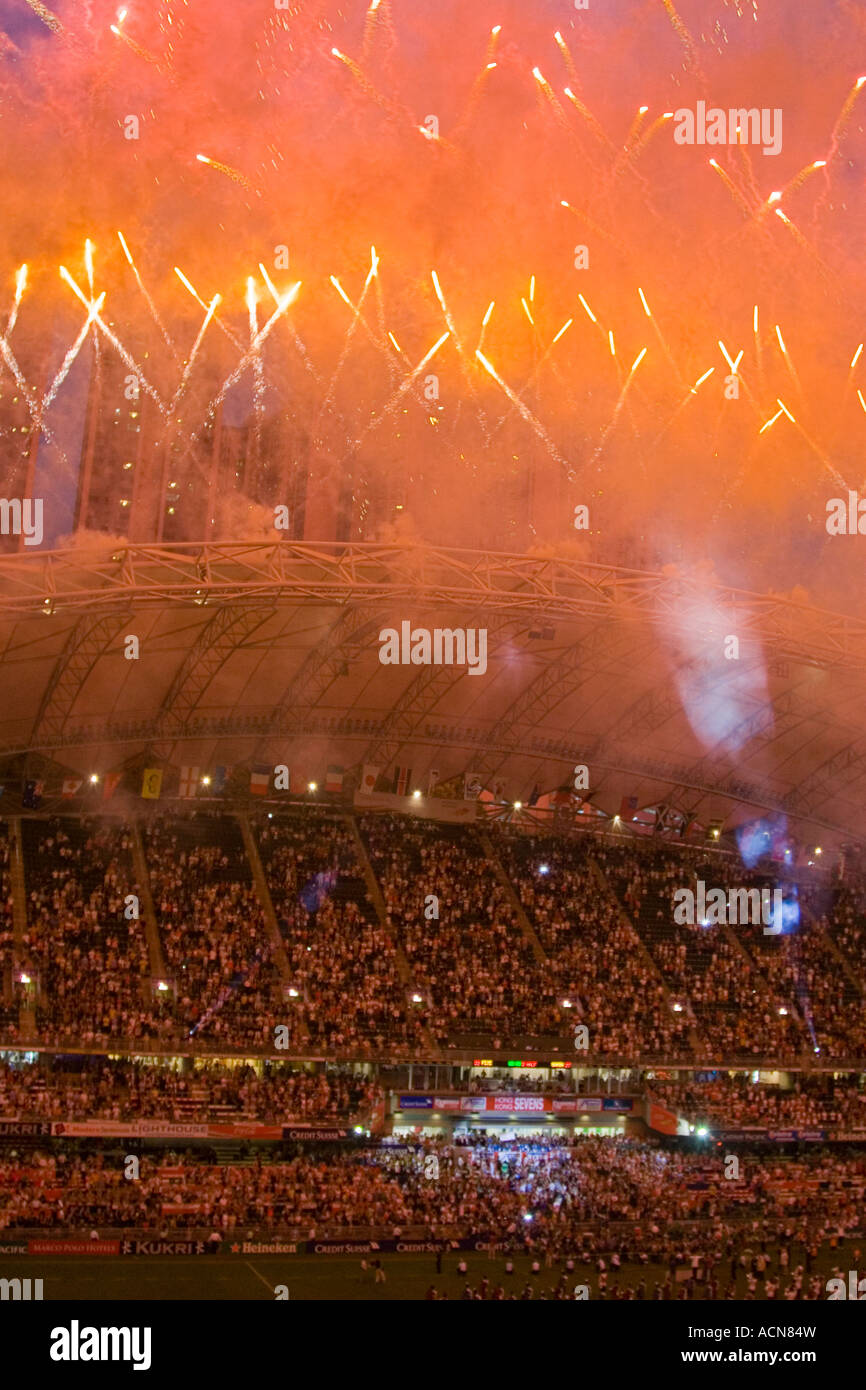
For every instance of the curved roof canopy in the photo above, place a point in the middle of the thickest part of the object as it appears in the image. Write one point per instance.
(668, 687)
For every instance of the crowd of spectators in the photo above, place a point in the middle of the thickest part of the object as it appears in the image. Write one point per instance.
(470, 960)
(342, 963)
(594, 954)
(88, 955)
(213, 933)
(618, 978)
(122, 1089)
(811, 1102)
(590, 1194)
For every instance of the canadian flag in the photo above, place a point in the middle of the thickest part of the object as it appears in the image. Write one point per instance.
(188, 781)
(71, 785)
(369, 777)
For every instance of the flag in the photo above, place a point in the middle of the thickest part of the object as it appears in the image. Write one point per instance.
(151, 783)
(221, 775)
(110, 785)
(534, 795)
(432, 780)
(369, 777)
(627, 807)
(402, 778)
(260, 779)
(71, 785)
(472, 786)
(32, 795)
(188, 781)
(334, 779)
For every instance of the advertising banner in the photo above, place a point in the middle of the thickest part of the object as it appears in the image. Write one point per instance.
(73, 1247)
(308, 1132)
(25, 1127)
(662, 1120)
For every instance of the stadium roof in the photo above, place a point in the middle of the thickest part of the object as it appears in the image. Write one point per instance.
(269, 653)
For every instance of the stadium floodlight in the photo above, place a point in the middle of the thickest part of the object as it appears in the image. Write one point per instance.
(703, 1132)
(312, 786)
(205, 781)
(518, 805)
(416, 796)
(94, 777)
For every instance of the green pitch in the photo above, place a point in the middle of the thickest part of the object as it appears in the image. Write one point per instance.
(310, 1278)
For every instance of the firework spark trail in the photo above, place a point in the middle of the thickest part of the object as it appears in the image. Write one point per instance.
(484, 323)
(234, 174)
(745, 154)
(788, 363)
(233, 337)
(71, 355)
(398, 395)
(599, 231)
(357, 317)
(379, 344)
(681, 381)
(476, 91)
(570, 68)
(684, 37)
(792, 186)
(182, 385)
(526, 414)
(113, 339)
(835, 138)
(136, 47)
(531, 378)
(692, 391)
(369, 30)
(590, 119)
(628, 143)
(732, 188)
(376, 342)
(628, 158)
(805, 245)
(461, 354)
(611, 426)
(33, 405)
(20, 287)
(147, 299)
(384, 103)
(258, 367)
(235, 376)
(46, 16)
(545, 90)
